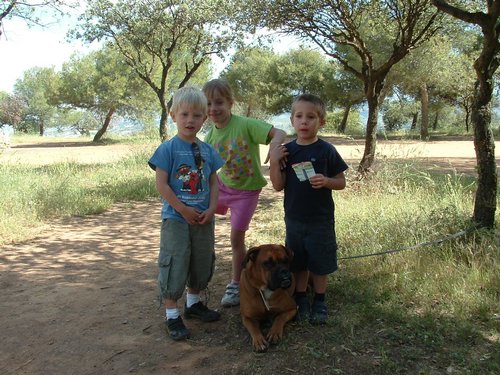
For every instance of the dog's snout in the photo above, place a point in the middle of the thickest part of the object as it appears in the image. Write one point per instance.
(281, 278)
(285, 277)
(285, 283)
(284, 273)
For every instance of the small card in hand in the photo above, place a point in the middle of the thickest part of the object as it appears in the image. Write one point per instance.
(304, 170)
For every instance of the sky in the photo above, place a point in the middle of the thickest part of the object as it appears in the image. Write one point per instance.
(22, 48)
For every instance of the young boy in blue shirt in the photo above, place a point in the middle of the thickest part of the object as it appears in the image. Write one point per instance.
(313, 168)
(186, 179)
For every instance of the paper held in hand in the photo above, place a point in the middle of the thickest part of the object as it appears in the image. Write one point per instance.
(304, 170)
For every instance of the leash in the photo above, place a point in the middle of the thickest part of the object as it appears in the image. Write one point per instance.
(423, 244)
(268, 308)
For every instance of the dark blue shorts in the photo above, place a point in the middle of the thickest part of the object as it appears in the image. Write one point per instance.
(314, 246)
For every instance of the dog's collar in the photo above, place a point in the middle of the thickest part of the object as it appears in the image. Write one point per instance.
(268, 308)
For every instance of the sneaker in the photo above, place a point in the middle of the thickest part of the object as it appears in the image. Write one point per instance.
(176, 329)
(303, 309)
(232, 296)
(202, 312)
(319, 313)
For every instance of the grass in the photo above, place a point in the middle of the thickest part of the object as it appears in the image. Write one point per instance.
(32, 196)
(429, 310)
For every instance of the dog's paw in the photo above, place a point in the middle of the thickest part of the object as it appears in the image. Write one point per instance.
(260, 344)
(274, 336)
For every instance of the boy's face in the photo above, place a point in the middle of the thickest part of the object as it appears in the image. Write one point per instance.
(306, 121)
(189, 120)
(219, 110)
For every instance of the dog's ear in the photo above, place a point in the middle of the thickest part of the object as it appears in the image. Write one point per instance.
(251, 255)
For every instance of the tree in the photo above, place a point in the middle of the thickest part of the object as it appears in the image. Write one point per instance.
(11, 110)
(381, 33)
(150, 34)
(248, 74)
(485, 66)
(36, 88)
(430, 72)
(27, 10)
(348, 90)
(104, 84)
(299, 71)
(268, 82)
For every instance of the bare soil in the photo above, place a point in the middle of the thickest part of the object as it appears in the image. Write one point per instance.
(81, 298)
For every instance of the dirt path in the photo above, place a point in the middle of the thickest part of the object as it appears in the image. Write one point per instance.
(448, 155)
(81, 299)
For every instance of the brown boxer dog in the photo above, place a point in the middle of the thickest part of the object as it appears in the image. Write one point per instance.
(266, 288)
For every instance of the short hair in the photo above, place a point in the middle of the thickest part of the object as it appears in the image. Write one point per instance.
(191, 96)
(218, 86)
(316, 100)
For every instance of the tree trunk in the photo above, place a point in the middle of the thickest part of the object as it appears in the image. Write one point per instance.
(42, 129)
(424, 102)
(467, 108)
(436, 120)
(414, 120)
(343, 125)
(163, 123)
(105, 125)
(371, 135)
(484, 144)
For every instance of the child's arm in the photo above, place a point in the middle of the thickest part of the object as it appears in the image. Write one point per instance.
(337, 182)
(277, 157)
(278, 137)
(208, 214)
(189, 214)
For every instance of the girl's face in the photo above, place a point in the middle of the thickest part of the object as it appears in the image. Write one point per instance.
(306, 122)
(219, 110)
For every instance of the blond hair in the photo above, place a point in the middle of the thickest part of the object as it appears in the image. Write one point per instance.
(218, 86)
(190, 96)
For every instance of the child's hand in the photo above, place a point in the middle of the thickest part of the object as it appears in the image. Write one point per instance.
(318, 181)
(278, 154)
(191, 215)
(206, 216)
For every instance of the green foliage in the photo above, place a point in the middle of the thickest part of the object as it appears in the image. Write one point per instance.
(303, 70)
(428, 309)
(155, 36)
(101, 83)
(354, 122)
(264, 81)
(12, 109)
(36, 90)
(397, 115)
(249, 77)
(31, 196)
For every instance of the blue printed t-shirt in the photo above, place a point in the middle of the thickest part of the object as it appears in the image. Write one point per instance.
(238, 144)
(190, 184)
(301, 201)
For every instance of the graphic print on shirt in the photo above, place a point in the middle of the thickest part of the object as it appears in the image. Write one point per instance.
(238, 164)
(191, 179)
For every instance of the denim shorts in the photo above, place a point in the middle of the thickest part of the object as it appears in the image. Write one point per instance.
(313, 244)
(186, 258)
